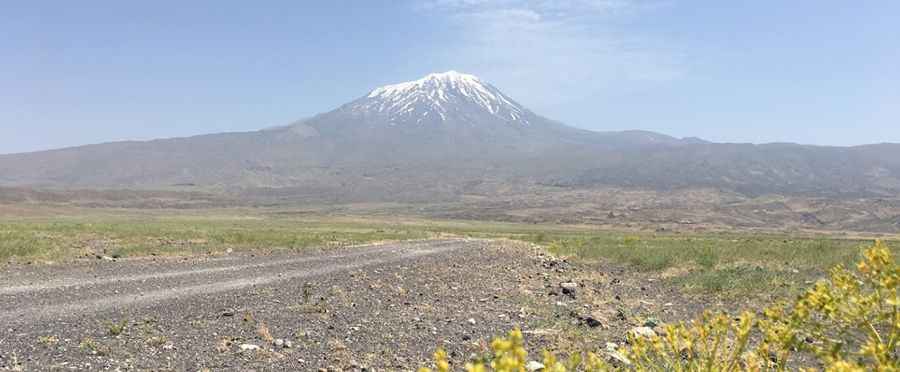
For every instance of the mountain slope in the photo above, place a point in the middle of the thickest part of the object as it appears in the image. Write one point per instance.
(433, 138)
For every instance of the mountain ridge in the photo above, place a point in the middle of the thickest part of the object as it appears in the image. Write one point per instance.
(448, 130)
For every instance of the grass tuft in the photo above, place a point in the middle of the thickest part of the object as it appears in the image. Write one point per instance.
(115, 329)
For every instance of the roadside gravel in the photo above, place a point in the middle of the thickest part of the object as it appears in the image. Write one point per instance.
(379, 307)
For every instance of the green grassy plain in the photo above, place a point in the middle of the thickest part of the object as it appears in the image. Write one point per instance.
(730, 265)
(727, 264)
(67, 237)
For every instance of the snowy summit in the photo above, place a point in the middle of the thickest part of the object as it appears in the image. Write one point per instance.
(441, 97)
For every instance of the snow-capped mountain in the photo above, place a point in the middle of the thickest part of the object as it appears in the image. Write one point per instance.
(441, 136)
(451, 114)
(440, 98)
(441, 113)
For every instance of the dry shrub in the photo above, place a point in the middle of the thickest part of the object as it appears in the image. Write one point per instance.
(263, 331)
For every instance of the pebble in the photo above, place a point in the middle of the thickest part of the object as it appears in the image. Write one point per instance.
(592, 322)
(249, 347)
(534, 365)
(644, 332)
(568, 288)
(471, 321)
(617, 359)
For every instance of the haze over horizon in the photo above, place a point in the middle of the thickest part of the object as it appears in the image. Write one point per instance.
(806, 72)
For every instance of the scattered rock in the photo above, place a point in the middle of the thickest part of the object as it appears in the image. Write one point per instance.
(568, 288)
(587, 320)
(534, 365)
(288, 344)
(642, 332)
(249, 347)
(591, 322)
(471, 321)
(616, 359)
(279, 343)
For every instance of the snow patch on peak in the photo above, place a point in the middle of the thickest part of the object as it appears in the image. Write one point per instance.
(434, 81)
(441, 93)
(452, 75)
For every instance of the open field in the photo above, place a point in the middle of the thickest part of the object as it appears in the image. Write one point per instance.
(710, 263)
(152, 285)
(119, 236)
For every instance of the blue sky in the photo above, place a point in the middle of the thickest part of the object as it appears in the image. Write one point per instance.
(819, 72)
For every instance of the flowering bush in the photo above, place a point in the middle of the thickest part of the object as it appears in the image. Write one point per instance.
(848, 322)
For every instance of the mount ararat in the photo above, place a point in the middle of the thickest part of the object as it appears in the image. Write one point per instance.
(452, 137)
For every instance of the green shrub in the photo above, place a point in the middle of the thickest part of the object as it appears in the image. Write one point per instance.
(115, 329)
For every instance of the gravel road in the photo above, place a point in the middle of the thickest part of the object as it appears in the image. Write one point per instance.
(378, 307)
(366, 308)
(55, 294)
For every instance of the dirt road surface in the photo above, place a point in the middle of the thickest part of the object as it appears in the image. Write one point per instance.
(378, 307)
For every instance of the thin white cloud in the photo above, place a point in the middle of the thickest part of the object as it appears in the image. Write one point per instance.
(549, 52)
